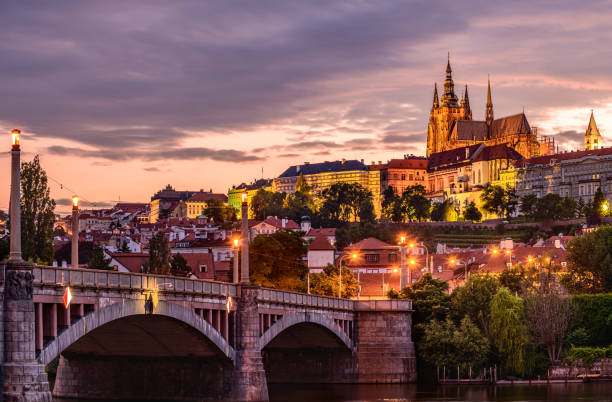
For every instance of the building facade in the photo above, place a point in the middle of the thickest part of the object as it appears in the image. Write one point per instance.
(197, 203)
(234, 194)
(402, 173)
(451, 125)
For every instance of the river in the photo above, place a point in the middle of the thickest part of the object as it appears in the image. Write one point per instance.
(584, 392)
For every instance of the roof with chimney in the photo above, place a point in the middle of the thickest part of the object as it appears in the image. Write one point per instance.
(314, 168)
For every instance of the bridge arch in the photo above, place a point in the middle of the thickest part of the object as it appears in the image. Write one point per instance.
(128, 308)
(291, 320)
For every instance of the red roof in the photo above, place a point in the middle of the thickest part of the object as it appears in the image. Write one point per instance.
(278, 223)
(371, 243)
(195, 260)
(132, 261)
(321, 232)
(546, 159)
(202, 197)
(320, 243)
(413, 162)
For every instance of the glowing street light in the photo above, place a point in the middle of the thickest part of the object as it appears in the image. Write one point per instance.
(75, 231)
(236, 246)
(15, 138)
(494, 251)
(15, 200)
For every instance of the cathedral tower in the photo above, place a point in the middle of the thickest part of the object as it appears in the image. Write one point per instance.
(444, 113)
(592, 137)
(489, 109)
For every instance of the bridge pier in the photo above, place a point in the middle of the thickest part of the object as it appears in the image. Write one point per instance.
(23, 378)
(248, 378)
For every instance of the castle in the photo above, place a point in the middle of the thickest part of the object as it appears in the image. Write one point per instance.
(451, 125)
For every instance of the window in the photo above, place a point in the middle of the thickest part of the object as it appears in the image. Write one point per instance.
(372, 258)
(203, 268)
(404, 177)
(395, 176)
(411, 177)
(392, 257)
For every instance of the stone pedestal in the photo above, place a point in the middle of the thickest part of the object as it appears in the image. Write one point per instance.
(24, 379)
(385, 351)
(248, 378)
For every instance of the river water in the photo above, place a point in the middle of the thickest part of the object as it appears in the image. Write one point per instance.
(586, 392)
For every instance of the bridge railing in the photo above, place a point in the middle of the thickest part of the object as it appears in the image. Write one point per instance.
(294, 298)
(100, 279)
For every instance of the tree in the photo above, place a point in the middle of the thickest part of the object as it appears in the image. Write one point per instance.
(473, 298)
(178, 265)
(589, 260)
(159, 255)
(414, 205)
(508, 331)
(548, 312)
(219, 212)
(499, 200)
(98, 261)
(472, 213)
(343, 201)
(267, 203)
(528, 205)
(276, 261)
(37, 214)
(326, 283)
(366, 211)
(444, 211)
(599, 200)
(389, 202)
(445, 344)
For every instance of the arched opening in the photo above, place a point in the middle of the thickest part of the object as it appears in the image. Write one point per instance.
(308, 352)
(145, 357)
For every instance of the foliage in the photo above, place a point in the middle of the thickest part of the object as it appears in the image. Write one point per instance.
(472, 213)
(178, 265)
(474, 297)
(508, 331)
(499, 200)
(391, 205)
(356, 232)
(343, 202)
(444, 211)
(326, 283)
(599, 200)
(267, 203)
(445, 344)
(219, 212)
(589, 260)
(587, 356)
(98, 261)
(577, 337)
(37, 214)
(528, 204)
(593, 313)
(159, 255)
(548, 312)
(275, 261)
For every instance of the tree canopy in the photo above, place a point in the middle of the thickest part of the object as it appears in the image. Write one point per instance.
(326, 283)
(589, 260)
(98, 261)
(499, 200)
(471, 213)
(159, 255)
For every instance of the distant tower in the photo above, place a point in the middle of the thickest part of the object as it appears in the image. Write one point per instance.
(489, 109)
(592, 137)
(465, 102)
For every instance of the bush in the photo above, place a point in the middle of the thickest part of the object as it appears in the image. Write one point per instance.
(594, 314)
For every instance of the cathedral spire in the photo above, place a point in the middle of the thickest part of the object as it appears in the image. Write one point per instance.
(489, 109)
(465, 102)
(436, 103)
(448, 97)
(592, 137)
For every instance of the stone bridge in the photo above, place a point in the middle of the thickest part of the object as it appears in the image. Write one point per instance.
(197, 340)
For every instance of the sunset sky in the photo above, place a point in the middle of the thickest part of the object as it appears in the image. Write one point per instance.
(120, 98)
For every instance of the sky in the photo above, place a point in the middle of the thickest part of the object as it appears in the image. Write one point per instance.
(120, 98)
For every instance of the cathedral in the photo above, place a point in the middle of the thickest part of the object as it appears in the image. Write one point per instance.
(451, 125)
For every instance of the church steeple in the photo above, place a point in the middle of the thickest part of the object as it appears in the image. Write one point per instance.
(465, 102)
(436, 103)
(592, 137)
(489, 109)
(448, 97)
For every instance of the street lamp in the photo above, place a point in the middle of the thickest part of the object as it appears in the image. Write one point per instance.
(344, 257)
(15, 201)
(245, 237)
(402, 262)
(464, 263)
(236, 246)
(75, 231)
(509, 254)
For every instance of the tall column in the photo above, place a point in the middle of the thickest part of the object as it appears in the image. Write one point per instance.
(403, 272)
(245, 239)
(248, 378)
(75, 232)
(15, 215)
(236, 268)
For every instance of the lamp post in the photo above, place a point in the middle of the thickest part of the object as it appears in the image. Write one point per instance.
(402, 262)
(245, 237)
(344, 257)
(236, 273)
(15, 213)
(509, 254)
(75, 231)
(464, 263)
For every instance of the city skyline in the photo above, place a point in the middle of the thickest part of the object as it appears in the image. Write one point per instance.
(119, 103)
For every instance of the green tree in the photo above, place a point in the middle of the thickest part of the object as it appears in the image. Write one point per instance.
(444, 211)
(508, 331)
(589, 260)
(159, 255)
(179, 266)
(37, 214)
(472, 213)
(473, 299)
(366, 211)
(390, 205)
(343, 201)
(599, 200)
(275, 261)
(499, 200)
(297, 205)
(267, 203)
(219, 212)
(98, 261)
(326, 283)
(414, 205)
(528, 205)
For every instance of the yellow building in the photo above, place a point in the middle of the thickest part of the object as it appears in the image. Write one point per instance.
(319, 176)
(197, 203)
(234, 194)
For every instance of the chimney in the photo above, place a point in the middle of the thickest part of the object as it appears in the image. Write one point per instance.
(284, 222)
(557, 243)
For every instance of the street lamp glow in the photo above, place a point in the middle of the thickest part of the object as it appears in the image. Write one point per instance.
(402, 239)
(452, 261)
(394, 269)
(508, 252)
(354, 256)
(15, 138)
(75, 201)
(236, 242)
(411, 262)
(494, 251)
(605, 207)
(530, 259)
(244, 197)
(411, 245)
